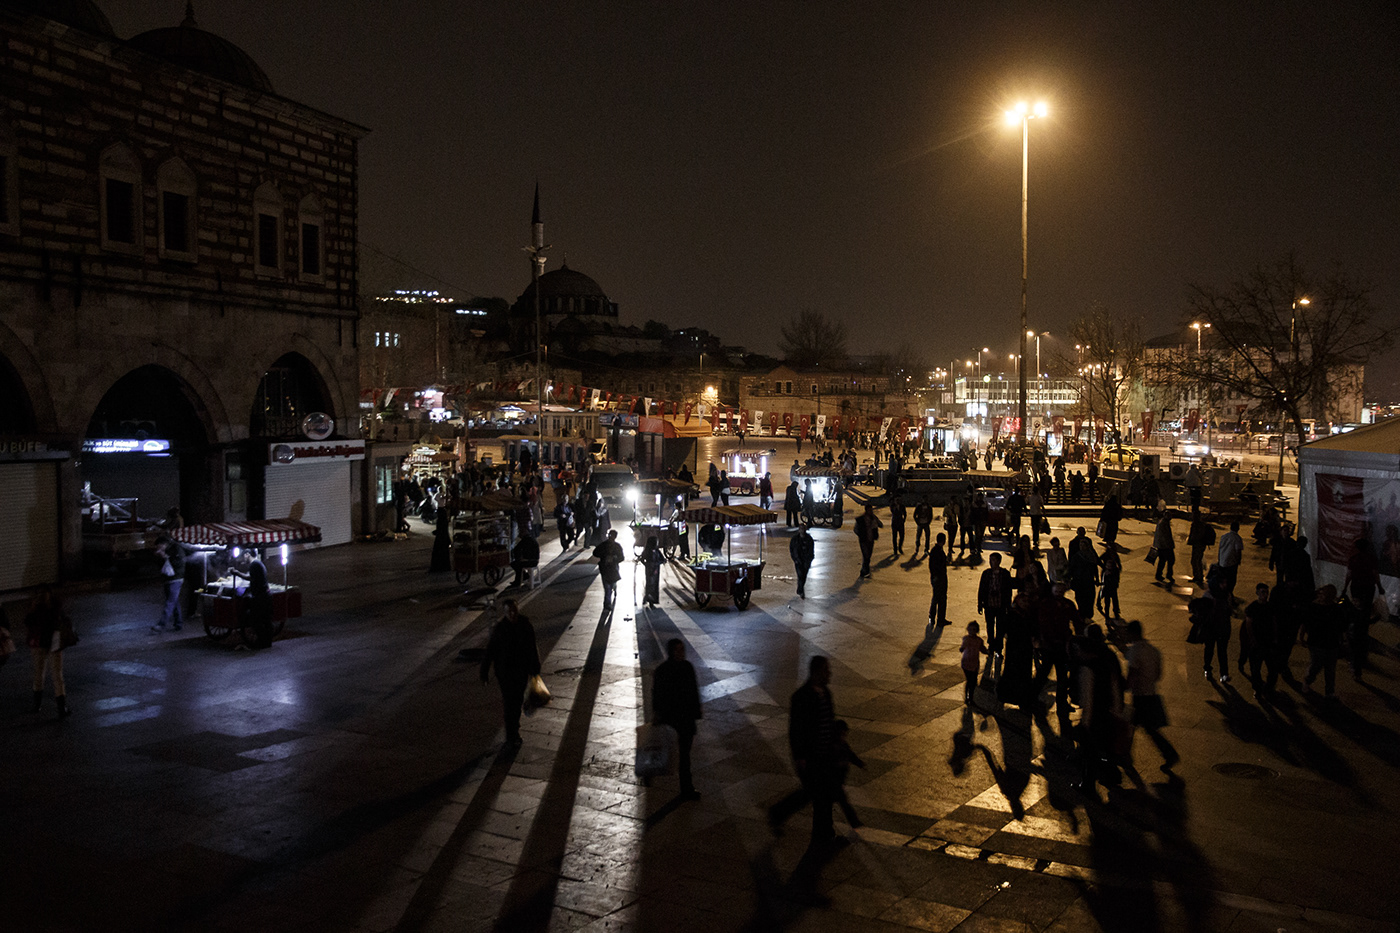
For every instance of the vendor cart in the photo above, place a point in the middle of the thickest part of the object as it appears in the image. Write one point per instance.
(481, 537)
(668, 497)
(725, 576)
(224, 602)
(829, 491)
(745, 468)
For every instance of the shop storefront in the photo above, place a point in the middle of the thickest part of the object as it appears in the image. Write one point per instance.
(31, 548)
(312, 481)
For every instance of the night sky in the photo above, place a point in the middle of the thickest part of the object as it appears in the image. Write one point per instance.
(728, 164)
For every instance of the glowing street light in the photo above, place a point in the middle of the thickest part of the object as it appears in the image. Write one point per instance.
(1198, 327)
(1024, 113)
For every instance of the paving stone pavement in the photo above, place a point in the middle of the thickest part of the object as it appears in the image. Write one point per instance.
(353, 776)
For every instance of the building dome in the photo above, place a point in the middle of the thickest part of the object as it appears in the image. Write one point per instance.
(567, 283)
(80, 14)
(190, 47)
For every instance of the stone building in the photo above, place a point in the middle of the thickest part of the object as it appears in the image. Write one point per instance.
(850, 394)
(177, 287)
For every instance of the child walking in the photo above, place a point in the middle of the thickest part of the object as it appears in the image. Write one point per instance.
(844, 758)
(1108, 592)
(972, 650)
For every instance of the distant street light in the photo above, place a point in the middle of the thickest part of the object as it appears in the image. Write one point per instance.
(1293, 343)
(1024, 114)
(1198, 327)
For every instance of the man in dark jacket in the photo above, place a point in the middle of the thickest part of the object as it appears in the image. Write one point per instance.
(513, 652)
(675, 702)
(897, 517)
(994, 598)
(792, 504)
(524, 556)
(811, 737)
(610, 558)
(172, 569)
(867, 530)
(803, 549)
(938, 577)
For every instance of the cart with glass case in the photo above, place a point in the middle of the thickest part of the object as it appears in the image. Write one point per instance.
(723, 575)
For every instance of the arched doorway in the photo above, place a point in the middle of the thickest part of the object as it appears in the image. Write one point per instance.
(16, 409)
(148, 441)
(291, 389)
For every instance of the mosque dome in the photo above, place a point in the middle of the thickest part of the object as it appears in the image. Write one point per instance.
(80, 14)
(190, 47)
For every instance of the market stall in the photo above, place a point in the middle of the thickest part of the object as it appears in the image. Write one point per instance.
(482, 535)
(224, 601)
(724, 576)
(746, 467)
(829, 491)
(666, 524)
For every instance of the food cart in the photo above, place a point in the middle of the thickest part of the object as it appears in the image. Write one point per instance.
(829, 491)
(481, 536)
(746, 467)
(725, 576)
(667, 525)
(223, 602)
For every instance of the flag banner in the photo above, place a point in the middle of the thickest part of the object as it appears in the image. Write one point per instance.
(787, 422)
(996, 429)
(646, 407)
(632, 409)
(821, 422)
(758, 419)
(1341, 514)
(1059, 424)
(714, 418)
(903, 429)
(885, 427)
(1146, 423)
(773, 423)
(835, 424)
(743, 420)
(1098, 430)
(1078, 425)
(689, 407)
(802, 425)
(1193, 419)
(1036, 425)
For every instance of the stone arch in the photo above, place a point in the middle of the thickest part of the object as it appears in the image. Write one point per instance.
(342, 409)
(29, 378)
(194, 383)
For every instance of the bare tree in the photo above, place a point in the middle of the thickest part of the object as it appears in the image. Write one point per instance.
(810, 338)
(1282, 338)
(1111, 361)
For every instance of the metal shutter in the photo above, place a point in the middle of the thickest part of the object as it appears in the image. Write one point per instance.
(318, 493)
(29, 515)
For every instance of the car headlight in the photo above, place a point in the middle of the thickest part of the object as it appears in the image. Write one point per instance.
(632, 496)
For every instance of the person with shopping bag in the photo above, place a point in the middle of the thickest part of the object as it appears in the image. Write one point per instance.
(516, 657)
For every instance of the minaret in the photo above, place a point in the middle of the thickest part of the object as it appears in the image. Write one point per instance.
(537, 260)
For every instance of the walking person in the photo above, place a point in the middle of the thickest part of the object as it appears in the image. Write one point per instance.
(49, 634)
(1200, 537)
(809, 504)
(867, 530)
(441, 561)
(897, 516)
(1228, 555)
(515, 656)
(1362, 583)
(1112, 576)
(1144, 672)
(765, 491)
(651, 561)
(1035, 507)
(1015, 686)
(610, 557)
(1214, 609)
(1015, 507)
(172, 572)
(923, 524)
(938, 578)
(1056, 563)
(1323, 624)
(675, 702)
(980, 517)
(950, 523)
(792, 504)
(811, 739)
(525, 555)
(1165, 543)
(802, 549)
(972, 649)
(1109, 517)
(1258, 642)
(1083, 574)
(994, 598)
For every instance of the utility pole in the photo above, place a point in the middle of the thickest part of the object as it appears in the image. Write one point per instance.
(537, 260)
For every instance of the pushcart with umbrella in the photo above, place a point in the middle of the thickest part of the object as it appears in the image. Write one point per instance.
(223, 602)
(725, 576)
(828, 491)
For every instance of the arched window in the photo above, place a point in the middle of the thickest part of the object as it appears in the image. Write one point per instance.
(119, 173)
(175, 197)
(311, 217)
(267, 229)
(9, 181)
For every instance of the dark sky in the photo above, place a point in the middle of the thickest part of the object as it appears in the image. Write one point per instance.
(728, 164)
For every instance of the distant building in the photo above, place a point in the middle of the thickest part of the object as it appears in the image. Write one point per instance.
(851, 394)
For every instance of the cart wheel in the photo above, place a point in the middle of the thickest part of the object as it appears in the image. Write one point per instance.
(462, 578)
(669, 552)
(493, 575)
(702, 599)
(741, 597)
(217, 632)
(746, 489)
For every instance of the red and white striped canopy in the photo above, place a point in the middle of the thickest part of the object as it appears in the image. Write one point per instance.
(730, 515)
(249, 534)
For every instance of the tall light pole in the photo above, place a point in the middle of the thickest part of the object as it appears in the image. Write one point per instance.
(536, 250)
(1198, 327)
(1293, 344)
(1024, 114)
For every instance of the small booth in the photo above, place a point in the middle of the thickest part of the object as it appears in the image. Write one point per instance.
(223, 602)
(667, 525)
(725, 576)
(482, 535)
(746, 468)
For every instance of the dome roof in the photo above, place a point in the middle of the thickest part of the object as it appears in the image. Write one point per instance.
(80, 14)
(567, 282)
(190, 47)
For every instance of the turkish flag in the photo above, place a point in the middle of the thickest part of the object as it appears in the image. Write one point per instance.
(835, 425)
(633, 409)
(1193, 419)
(1146, 423)
(1059, 424)
(904, 429)
(689, 407)
(743, 420)
(714, 418)
(773, 423)
(1341, 516)
(1098, 430)
(803, 424)
(1078, 423)
(787, 422)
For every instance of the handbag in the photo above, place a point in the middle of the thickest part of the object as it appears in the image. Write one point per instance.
(1101, 528)
(536, 694)
(1151, 557)
(657, 746)
(1045, 526)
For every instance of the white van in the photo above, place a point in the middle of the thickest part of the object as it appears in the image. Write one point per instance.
(613, 480)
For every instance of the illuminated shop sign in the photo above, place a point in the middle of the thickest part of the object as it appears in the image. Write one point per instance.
(125, 445)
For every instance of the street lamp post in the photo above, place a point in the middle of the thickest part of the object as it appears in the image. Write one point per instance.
(1293, 344)
(1024, 114)
(1198, 327)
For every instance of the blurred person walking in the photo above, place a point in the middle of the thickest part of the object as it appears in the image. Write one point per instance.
(512, 651)
(675, 702)
(49, 633)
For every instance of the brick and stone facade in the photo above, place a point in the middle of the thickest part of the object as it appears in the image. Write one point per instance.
(193, 226)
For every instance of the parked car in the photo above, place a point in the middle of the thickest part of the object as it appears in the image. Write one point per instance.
(1120, 453)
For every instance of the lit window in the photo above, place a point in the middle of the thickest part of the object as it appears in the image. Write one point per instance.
(311, 218)
(267, 229)
(9, 181)
(120, 193)
(175, 185)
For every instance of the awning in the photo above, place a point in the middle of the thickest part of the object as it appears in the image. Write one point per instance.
(493, 502)
(811, 471)
(249, 534)
(657, 484)
(749, 452)
(730, 515)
